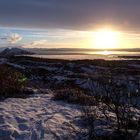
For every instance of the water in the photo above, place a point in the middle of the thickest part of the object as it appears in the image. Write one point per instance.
(107, 55)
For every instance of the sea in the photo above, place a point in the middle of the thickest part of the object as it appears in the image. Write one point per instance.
(88, 54)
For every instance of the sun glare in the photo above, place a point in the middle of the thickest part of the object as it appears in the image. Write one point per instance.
(106, 39)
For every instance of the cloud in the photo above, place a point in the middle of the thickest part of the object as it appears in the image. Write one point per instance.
(36, 44)
(14, 38)
(70, 14)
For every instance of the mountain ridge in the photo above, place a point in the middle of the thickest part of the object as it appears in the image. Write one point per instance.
(8, 52)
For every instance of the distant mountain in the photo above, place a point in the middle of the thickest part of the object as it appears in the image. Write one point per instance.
(14, 51)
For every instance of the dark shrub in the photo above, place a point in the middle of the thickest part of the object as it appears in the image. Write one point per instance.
(76, 96)
(116, 111)
(11, 82)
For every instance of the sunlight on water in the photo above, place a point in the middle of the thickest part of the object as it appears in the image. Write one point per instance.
(102, 52)
(108, 55)
(113, 53)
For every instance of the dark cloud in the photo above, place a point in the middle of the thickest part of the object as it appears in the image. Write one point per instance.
(71, 14)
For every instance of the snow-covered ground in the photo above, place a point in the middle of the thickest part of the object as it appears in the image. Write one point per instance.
(37, 118)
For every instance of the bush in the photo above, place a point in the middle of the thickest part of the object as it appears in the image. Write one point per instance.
(116, 110)
(12, 82)
(74, 95)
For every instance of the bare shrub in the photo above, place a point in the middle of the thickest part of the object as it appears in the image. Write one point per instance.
(72, 95)
(90, 117)
(11, 82)
(116, 110)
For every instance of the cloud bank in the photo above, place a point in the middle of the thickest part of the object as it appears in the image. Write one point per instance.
(36, 44)
(71, 14)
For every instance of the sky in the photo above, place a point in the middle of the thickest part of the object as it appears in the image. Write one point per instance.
(68, 23)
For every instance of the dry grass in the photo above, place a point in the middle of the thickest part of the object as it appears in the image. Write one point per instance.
(73, 95)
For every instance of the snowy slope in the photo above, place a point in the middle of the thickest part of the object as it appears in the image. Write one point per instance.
(36, 118)
(13, 51)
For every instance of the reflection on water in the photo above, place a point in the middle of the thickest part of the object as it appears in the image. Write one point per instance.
(101, 52)
(71, 57)
(108, 55)
(114, 53)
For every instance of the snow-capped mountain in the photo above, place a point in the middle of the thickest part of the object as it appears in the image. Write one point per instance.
(14, 51)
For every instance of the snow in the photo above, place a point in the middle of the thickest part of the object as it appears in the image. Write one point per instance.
(135, 65)
(88, 70)
(39, 117)
(51, 69)
(13, 51)
(36, 118)
(3, 60)
(60, 78)
(15, 66)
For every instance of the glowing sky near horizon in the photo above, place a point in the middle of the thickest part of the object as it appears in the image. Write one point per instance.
(62, 38)
(69, 23)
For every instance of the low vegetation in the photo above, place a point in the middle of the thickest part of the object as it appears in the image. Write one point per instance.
(108, 93)
(74, 95)
(12, 82)
(112, 114)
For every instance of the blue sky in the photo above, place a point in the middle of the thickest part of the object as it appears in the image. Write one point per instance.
(46, 37)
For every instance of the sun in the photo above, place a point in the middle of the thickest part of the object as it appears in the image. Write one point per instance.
(106, 39)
